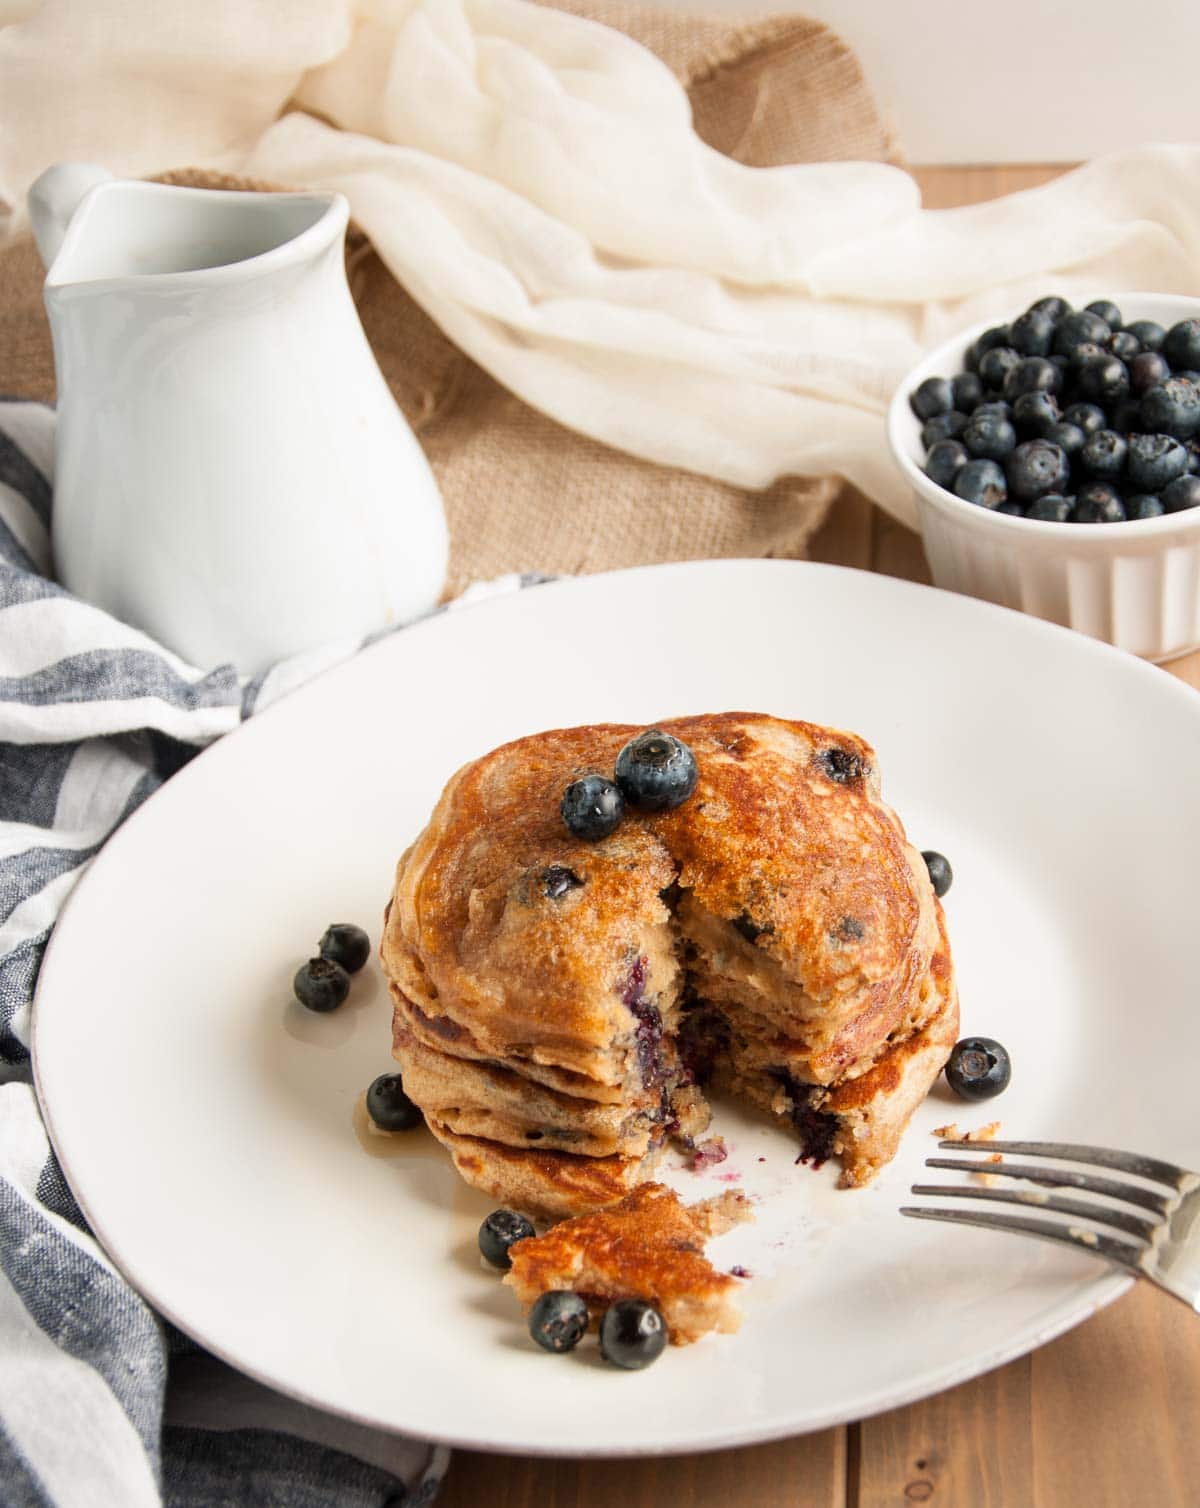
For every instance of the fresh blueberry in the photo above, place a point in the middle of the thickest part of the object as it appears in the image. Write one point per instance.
(1012, 508)
(592, 807)
(990, 438)
(388, 1105)
(1087, 416)
(1051, 508)
(988, 341)
(321, 984)
(502, 1229)
(995, 365)
(558, 1320)
(978, 1069)
(1098, 503)
(1034, 413)
(1184, 492)
(558, 880)
(1172, 408)
(1154, 460)
(1124, 345)
(1147, 370)
(1193, 450)
(1074, 329)
(1103, 380)
(933, 397)
(1068, 437)
(1126, 417)
(968, 392)
(1149, 335)
(944, 427)
(632, 1334)
(1182, 344)
(346, 944)
(1106, 311)
(1053, 306)
(1032, 374)
(1035, 467)
(996, 407)
(1103, 454)
(1144, 505)
(1032, 334)
(656, 771)
(940, 874)
(981, 482)
(944, 461)
(1085, 351)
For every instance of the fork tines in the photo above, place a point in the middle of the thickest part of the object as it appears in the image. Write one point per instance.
(1137, 1226)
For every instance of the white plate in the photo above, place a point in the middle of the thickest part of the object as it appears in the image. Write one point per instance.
(208, 1126)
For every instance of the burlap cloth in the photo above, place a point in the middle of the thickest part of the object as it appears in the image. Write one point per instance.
(521, 492)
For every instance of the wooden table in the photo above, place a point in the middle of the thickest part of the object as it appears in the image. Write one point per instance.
(1102, 1418)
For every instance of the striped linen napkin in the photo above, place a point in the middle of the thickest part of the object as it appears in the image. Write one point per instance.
(101, 1402)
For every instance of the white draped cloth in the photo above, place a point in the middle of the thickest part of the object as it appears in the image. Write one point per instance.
(534, 181)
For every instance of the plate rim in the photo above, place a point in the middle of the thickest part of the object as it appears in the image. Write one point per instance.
(1072, 1309)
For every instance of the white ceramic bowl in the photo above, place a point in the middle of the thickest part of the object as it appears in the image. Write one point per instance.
(1135, 585)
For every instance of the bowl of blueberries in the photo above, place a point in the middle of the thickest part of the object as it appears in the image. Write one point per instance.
(1055, 462)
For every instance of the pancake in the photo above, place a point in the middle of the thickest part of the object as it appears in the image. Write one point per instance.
(560, 1004)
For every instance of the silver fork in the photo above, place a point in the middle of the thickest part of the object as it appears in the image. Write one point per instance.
(1159, 1236)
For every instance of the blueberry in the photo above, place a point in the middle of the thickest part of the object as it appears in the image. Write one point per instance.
(1036, 412)
(1147, 370)
(1073, 329)
(940, 874)
(996, 363)
(1086, 350)
(1032, 334)
(1053, 306)
(1126, 417)
(558, 880)
(1087, 416)
(1068, 437)
(842, 765)
(1182, 344)
(1035, 467)
(1103, 380)
(1123, 344)
(944, 427)
(1103, 454)
(1154, 460)
(502, 1229)
(656, 771)
(558, 1320)
(592, 807)
(933, 397)
(996, 406)
(981, 482)
(1184, 492)
(1098, 503)
(346, 944)
(632, 1334)
(944, 461)
(968, 391)
(989, 437)
(388, 1105)
(1051, 508)
(1193, 450)
(1106, 311)
(1172, 408)
(988, 341)
(321, 984)
(1032, 374)
(1144, 505)
(979, 1068)
(1012, 508)
(1150, 336)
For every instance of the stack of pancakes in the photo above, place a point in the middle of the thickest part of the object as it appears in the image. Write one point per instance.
(561, 1005)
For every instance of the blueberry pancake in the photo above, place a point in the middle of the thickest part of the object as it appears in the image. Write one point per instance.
(561, 1003)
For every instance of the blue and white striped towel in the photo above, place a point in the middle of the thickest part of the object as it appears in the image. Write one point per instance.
(101, 1404)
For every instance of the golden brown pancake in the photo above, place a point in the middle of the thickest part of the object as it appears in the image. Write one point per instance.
(560, 1004)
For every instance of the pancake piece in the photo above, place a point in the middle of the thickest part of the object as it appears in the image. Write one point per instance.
(647, 1246)
(561, 1005)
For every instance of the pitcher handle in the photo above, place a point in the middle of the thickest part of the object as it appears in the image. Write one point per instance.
(53, 199)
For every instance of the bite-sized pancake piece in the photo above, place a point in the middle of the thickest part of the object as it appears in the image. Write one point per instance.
(648, 1246)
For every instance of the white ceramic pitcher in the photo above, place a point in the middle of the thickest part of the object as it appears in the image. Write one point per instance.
(232, 474)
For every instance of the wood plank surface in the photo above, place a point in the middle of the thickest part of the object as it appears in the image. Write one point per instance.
(1101, 1418)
